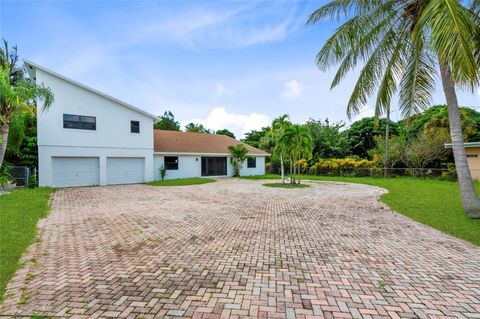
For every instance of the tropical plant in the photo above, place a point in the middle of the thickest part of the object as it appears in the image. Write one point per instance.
(239, 154)
(163, 172)
(297, 143)
(225, 132)
(167, 122)
(279, 125)
(401, 44)
(17, 94)
(197, 128)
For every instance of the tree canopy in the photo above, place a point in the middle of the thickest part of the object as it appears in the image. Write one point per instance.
(167, 122)
(225, 132)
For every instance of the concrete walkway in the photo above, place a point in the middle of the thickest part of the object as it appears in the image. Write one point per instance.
(235, 249)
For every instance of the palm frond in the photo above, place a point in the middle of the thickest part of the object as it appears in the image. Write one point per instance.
(371, 73)
(357, 37)
(418, 82)
(393, 71)
(338, 9)
(360, 49)
(452, 38)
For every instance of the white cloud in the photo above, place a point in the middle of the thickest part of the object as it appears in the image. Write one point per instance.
(239, 124)
(292, 89)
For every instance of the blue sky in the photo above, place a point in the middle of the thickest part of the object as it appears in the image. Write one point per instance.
(226, 64)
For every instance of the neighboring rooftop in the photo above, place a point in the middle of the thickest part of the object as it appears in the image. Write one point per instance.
(197, 143)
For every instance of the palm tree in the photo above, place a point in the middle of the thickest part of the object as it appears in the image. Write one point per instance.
(17, 94)
(402, 44)
(298, 141)
(239, 155)
(278, 128)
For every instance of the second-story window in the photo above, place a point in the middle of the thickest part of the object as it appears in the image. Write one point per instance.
(134, 126)
(79, 122)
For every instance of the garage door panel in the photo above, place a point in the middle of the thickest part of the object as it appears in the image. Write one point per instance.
(125, 170)
(75, 171)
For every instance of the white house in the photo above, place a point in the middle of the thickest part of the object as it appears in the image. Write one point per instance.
(89, 138)
(186, 154)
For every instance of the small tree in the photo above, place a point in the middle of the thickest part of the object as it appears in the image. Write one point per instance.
(298, 143)
(163, 172)
(17, 94)
(239, 155)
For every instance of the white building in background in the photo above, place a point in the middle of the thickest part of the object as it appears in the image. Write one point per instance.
(89, 138)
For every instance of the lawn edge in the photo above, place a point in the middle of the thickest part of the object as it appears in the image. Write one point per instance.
(26, 261)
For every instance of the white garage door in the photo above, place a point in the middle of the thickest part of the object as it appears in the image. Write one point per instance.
(125, 170)
(75, 171)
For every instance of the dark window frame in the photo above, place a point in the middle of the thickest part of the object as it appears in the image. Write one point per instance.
(134, 127)
(79, 122)
(249, 162)
(171, 165)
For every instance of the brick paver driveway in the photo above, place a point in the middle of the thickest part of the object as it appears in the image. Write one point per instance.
(237, 249)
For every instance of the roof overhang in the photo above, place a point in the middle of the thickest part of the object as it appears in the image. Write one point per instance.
(32, 67)
(466, 145)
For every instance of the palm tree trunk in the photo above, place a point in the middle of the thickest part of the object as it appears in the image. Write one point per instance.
(4, 139)
(387, 133)
(294, 172)
(291, 171)
(282, 169)
(470, 200)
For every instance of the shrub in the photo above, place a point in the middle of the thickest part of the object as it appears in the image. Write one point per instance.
(163, 172)
(33, 181)
(349, 166)
(5, 177)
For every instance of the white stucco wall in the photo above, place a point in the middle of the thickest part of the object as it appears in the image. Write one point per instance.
(258, 170)
(112, 137)
(189, 166)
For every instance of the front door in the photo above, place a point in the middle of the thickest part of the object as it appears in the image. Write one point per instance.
(214, 166)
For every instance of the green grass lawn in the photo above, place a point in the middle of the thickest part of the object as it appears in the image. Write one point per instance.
(432, 202)
(182, 182)
(20, 211)
(287, 185)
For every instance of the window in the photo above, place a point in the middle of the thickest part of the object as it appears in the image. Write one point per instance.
(472, 155)
(134, 127)
(251, 162)
(79, 122)
(171, 162)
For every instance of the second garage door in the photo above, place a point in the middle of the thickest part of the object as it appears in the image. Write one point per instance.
(125, 170)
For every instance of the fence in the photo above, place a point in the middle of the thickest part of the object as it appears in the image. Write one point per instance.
(449, 174)
(21, 175)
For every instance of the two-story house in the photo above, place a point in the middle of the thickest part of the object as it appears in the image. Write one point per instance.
(89, 138)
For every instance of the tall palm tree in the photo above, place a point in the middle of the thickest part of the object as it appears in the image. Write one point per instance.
(278, 127)
(403, 44)
(17, 94)
(299, 143)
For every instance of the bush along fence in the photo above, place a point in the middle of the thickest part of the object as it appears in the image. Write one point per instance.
(353, 167)
(20, 176)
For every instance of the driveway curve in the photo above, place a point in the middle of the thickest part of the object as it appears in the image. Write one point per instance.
(235, 249)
